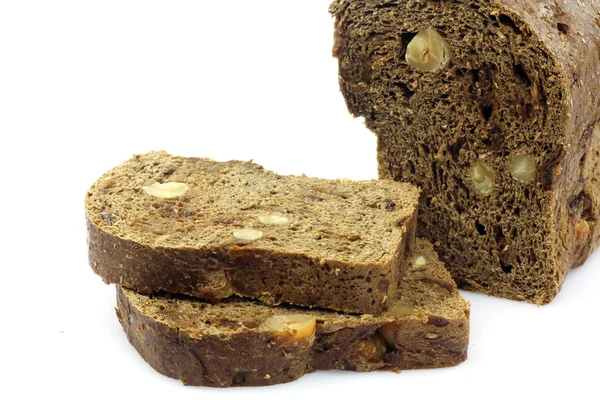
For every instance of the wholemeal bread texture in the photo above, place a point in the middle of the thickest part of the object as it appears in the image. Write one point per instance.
(216, 229)
(493, 109)
(245, 343)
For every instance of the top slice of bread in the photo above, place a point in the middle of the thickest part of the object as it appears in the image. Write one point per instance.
(239, 229)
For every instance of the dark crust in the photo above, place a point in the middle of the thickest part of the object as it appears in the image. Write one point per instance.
(235, 270)
(199, 362)
(251, 358)
(567, 34)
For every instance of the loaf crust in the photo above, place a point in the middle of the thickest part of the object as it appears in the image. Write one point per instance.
(228, 344)
(345, 247)
(523, 79)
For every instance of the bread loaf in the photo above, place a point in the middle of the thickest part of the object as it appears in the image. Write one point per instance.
(216, 229)
(491, 107)
(244, 343)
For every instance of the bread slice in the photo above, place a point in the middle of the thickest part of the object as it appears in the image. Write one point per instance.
(242, 343)
(492, 108)
(234, 228)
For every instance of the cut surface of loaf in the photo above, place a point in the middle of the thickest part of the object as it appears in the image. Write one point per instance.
(245, 343)
(214, 229)
(493, 109)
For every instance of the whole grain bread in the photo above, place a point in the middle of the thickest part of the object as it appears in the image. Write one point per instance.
(497, 121)
(234, 228)
(232, 343)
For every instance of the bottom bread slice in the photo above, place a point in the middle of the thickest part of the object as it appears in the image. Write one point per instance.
(246, 343)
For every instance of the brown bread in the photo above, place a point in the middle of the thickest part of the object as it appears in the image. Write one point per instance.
(238, 229)
(495, 115)
(233, 344)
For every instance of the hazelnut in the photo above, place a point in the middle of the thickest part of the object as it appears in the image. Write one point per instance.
(388, 331)
(428, 51)
(369, 350)
(582, 231)
(523, 168)
(166, 190)
(483, 177)
(292, 327)
(247, 234)
(420, 261)
(273, 219)
(401, 310)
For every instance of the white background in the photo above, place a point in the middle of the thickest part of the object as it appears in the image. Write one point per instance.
(86, 84)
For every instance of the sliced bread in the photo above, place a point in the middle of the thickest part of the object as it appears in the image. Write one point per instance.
(246, 343)
(214, 229)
